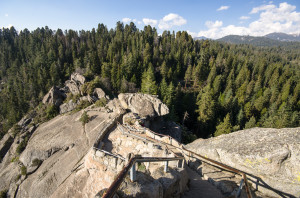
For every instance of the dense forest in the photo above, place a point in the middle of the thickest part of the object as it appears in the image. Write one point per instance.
(211, 88)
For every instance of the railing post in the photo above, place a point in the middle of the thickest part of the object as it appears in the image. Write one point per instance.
(166, 166)
(180, 163)
(238, 193)
(133, 173)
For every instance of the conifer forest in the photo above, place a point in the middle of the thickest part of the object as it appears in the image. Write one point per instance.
(210, 87)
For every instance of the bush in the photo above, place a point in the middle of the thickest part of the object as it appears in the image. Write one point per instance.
(15, 130)
(101, 102)
(188, 137)
(36, 162)
(72, 97)
(51, 111)
(84, 118)
(3, 193)
(15, 159)
(89, 87)
(82, 105)
(23, 170)
(21, 147)
(141, 167)
(18, 177)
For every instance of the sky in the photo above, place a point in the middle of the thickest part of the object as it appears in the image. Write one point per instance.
(212, 19)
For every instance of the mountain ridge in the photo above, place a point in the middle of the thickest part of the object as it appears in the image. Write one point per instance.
(271, 39)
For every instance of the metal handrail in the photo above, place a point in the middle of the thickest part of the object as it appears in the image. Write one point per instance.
(108, 153)
(226, 167)
(119, 179)
(207, 159)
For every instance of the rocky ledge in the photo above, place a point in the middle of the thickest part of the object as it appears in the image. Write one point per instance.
(271, 157)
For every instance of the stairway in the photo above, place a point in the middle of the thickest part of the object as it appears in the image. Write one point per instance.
(199, 188)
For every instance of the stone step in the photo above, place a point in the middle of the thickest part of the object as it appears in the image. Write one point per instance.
(199, 188)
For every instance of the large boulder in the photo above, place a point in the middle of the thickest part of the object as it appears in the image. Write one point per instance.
(68, 106)
(270, 155)
(99, 93)
(143, 104)
(78, 78)
(73, 85)
(54, 96)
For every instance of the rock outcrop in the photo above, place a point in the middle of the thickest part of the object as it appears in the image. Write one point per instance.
(55, 96)
(59, 158)
(74, 84)
(66, 107)
(99, 93)
(143, 104)
(270, 155)
(53, 151)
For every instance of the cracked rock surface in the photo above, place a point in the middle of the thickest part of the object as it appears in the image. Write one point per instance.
(271, 155)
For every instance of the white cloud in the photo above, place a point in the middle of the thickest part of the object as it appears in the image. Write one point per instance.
(211, 24)
(272, 18)
(223, 8)
(244, 17)
(262, 7)
(139, 22)
(151, 22)
(171, 20)
(128, 20)
(193, 34)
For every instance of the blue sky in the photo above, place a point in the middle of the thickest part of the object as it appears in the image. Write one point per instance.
(212, 19)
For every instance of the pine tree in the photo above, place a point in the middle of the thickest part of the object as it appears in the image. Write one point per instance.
(148, 81)
(224, 127)
(206, 105)
(251, 123)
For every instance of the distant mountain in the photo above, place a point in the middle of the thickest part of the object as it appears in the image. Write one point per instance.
(283, 36)
(200, 38)
(257, 41)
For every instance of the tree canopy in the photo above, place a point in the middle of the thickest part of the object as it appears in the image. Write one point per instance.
(217, 84)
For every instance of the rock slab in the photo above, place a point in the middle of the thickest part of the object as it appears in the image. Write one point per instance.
(270, 155)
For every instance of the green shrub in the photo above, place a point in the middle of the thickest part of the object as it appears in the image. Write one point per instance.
(3, 193)
(51, 111)
(23, 170)
(82, 105)
(15, 130)
(141, 167)
(21, 147)
(84, 118)
(36, 162)
(101, 102)
(89, 87)
(15, 159)
(70, 96)
(187, 136)
(18, 177)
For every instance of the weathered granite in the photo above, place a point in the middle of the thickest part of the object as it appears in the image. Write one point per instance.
(270, 155)
(143, 104)
(59, 144)
(54, 96)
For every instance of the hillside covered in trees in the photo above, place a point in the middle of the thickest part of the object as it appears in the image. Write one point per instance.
(211, 88)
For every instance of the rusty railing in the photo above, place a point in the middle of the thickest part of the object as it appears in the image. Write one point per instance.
(115, 185)
(131, 165)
